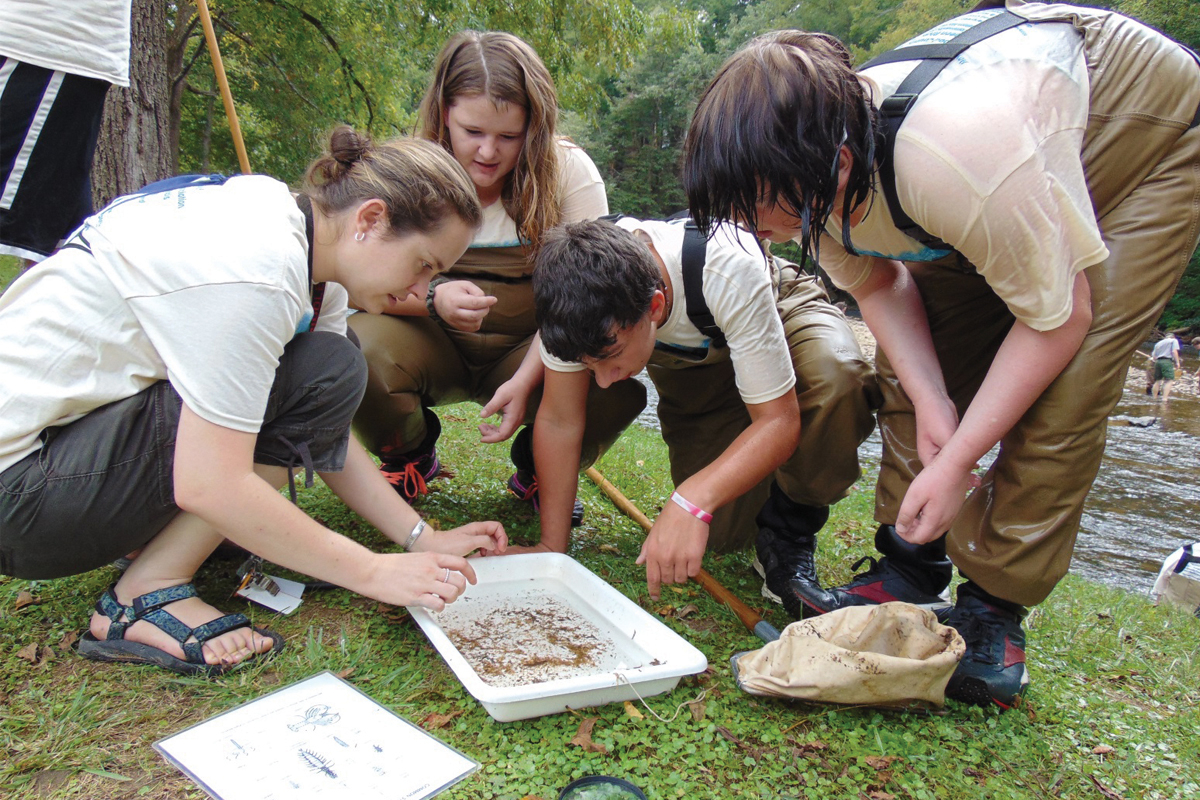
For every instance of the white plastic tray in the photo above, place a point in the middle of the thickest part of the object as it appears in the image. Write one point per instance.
(645, 658)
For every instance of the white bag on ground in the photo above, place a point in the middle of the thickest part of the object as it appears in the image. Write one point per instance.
(886, 655)
(1179, 581)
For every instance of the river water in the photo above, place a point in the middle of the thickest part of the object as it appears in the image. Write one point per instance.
(1146, 500)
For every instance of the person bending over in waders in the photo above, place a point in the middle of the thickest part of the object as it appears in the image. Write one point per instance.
(164, 372)
(1042, 191)
(764, 395)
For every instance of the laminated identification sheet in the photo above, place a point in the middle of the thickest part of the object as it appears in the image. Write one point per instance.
(320, 738)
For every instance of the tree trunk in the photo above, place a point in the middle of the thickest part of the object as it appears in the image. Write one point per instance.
(177, 73)
(134, 147)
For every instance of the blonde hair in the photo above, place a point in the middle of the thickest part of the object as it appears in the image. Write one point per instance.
(419, 181)
(504, 69)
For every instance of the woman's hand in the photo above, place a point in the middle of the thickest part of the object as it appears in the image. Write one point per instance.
(509, 401)
(462, 305)
(488, 538)
(419, 579)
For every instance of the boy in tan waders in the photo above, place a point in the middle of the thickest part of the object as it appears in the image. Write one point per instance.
(764, 395)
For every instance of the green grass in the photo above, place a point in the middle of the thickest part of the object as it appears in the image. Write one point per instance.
(10, 267)
(1109, 671)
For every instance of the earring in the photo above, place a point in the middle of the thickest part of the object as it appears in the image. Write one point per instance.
(358, 237)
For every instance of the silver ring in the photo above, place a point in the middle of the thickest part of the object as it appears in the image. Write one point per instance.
(446, 579)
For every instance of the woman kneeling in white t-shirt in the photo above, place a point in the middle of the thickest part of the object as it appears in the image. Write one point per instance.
(164, 372)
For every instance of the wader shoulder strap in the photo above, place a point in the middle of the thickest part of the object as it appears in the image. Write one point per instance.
(1187, 558)
(695, 253)
(693, 258)
(934, 58)
(318, 289)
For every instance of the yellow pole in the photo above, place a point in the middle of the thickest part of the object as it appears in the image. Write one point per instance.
(749, 617)
(210, 36)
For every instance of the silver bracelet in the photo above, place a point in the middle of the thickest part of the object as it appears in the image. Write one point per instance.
(417, 530)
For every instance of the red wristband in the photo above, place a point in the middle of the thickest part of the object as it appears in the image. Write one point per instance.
(690, 507)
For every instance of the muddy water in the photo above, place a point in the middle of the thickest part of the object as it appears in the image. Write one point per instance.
(1146, 500)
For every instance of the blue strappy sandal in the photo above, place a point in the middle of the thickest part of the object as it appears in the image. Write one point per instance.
(149, 608)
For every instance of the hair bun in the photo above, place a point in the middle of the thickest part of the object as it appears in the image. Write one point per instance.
(347, 146)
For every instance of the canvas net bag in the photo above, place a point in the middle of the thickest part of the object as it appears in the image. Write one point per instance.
(892, 654)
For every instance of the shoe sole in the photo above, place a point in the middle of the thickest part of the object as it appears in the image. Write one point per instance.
(122, 651)
(976, 692)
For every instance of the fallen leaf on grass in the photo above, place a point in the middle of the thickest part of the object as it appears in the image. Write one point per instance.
(433, 721)
(808, 748)
(29, 652)
(68, 641)
(1104, 790)
(879, 795)
(697, 707)
(1102, 749)
(583, 738)
(346, 673)
(632, 711)
(531, 797)
(610, 548)
(880, 762)
(393, 614)
(675, 589)
(721, 729)
(24, 599)
(665, 611)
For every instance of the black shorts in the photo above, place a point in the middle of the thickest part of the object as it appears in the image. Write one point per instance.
(103, 485)
(49, 122)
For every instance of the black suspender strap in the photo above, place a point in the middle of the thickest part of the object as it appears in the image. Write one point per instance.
(695, 252)
(693, 257)
(318, 289)
(893, 110)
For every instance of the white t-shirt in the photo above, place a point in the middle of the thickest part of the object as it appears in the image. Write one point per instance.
(740, 289)
(202, 287)
(83, 37)
(1167, 347)
(583, 198)
(988, 160)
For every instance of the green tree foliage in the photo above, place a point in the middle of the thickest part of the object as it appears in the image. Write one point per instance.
(299, 67)
(637, 142)
(628, 73)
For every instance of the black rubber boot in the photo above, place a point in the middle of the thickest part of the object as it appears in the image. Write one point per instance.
(786, 549)
(908, 573)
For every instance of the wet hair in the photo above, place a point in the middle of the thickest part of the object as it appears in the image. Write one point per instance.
(769, 129)
(591, 279)
(420, 182)
(506, 70)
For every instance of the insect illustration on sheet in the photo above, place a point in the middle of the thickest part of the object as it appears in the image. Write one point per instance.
(317, 762)
(238, 750)
(315, 716)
